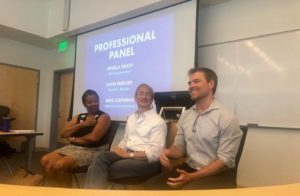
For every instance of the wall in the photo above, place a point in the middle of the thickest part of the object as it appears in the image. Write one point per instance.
(273, 160)
(268, 150)
(24, 55)
(236, 19)
(45, 18)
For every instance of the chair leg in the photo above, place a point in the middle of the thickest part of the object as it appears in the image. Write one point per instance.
(76, 180)
(112, 186)
(7, 165)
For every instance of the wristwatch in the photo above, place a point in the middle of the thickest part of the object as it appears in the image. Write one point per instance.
(131, 155)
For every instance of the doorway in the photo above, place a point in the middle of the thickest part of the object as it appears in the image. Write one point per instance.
(61, 103)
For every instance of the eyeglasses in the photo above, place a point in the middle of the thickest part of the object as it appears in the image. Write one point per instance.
(146, 94)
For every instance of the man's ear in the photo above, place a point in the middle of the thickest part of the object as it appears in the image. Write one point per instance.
(211, 84)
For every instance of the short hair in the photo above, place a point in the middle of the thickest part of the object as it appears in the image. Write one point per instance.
(209, 74)
(144, 84)
(87, 93)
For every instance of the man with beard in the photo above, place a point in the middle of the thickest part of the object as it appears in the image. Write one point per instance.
(208, 136)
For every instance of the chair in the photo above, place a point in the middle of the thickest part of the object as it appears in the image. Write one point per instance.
(244, 129)
(6, 150)
(109, 137)
(5, 153)
(4, 111)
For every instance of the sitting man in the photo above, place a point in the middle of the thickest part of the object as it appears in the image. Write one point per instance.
(137, 155)
(208, 135)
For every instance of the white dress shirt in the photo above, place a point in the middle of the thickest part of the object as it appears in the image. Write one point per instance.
(145, 132)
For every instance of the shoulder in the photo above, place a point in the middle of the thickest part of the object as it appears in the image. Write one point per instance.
(153, 116)
(226, 114)
(187, 114)
(104, 117)
(227, 118)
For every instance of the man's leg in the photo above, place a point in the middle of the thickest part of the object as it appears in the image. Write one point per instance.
(130, 168)
(219, 181)
(98, 170)
(159, 182)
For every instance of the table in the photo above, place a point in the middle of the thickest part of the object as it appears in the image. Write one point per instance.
(16, 190)
(30, 137)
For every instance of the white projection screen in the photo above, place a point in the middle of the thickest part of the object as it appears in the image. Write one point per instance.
(156, 48)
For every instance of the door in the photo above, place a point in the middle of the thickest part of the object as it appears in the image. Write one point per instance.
(18, 91)
(65, 96)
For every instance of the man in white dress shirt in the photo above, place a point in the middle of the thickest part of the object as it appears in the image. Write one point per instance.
(137, 155)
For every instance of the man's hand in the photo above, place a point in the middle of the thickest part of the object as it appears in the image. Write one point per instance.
(164, 160)
(180, 181)
(121, 152)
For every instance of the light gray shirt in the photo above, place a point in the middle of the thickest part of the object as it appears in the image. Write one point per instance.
(145, 132)
(208, 136)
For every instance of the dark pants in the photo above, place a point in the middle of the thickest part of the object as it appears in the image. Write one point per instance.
(222, 180)
(109, 166)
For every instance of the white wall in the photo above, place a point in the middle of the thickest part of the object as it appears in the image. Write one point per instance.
(24, 55)
(239, 19)
(55, 17)
(268, 157)
(45, 17)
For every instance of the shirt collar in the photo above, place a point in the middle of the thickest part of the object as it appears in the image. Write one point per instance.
(213, 106)
(144, 114)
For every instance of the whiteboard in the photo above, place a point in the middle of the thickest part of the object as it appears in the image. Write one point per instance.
(259, 78)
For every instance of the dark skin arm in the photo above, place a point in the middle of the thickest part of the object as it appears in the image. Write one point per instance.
(101, 126)
(73, 126)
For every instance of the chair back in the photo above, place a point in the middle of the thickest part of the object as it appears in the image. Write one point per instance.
(4, 112)
(108, 138)
(244, 129)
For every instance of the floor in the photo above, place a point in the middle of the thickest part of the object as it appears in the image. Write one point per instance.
(17, 160)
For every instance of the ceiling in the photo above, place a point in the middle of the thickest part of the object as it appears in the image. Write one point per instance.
(32, 39)
(205, 3)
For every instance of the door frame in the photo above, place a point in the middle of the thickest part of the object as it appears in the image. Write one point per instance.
(55, 106)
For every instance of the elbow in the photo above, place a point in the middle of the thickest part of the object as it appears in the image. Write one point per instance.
(91, 138)
(63, 135)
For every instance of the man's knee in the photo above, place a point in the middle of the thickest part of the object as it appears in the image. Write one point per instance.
(105, 157)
